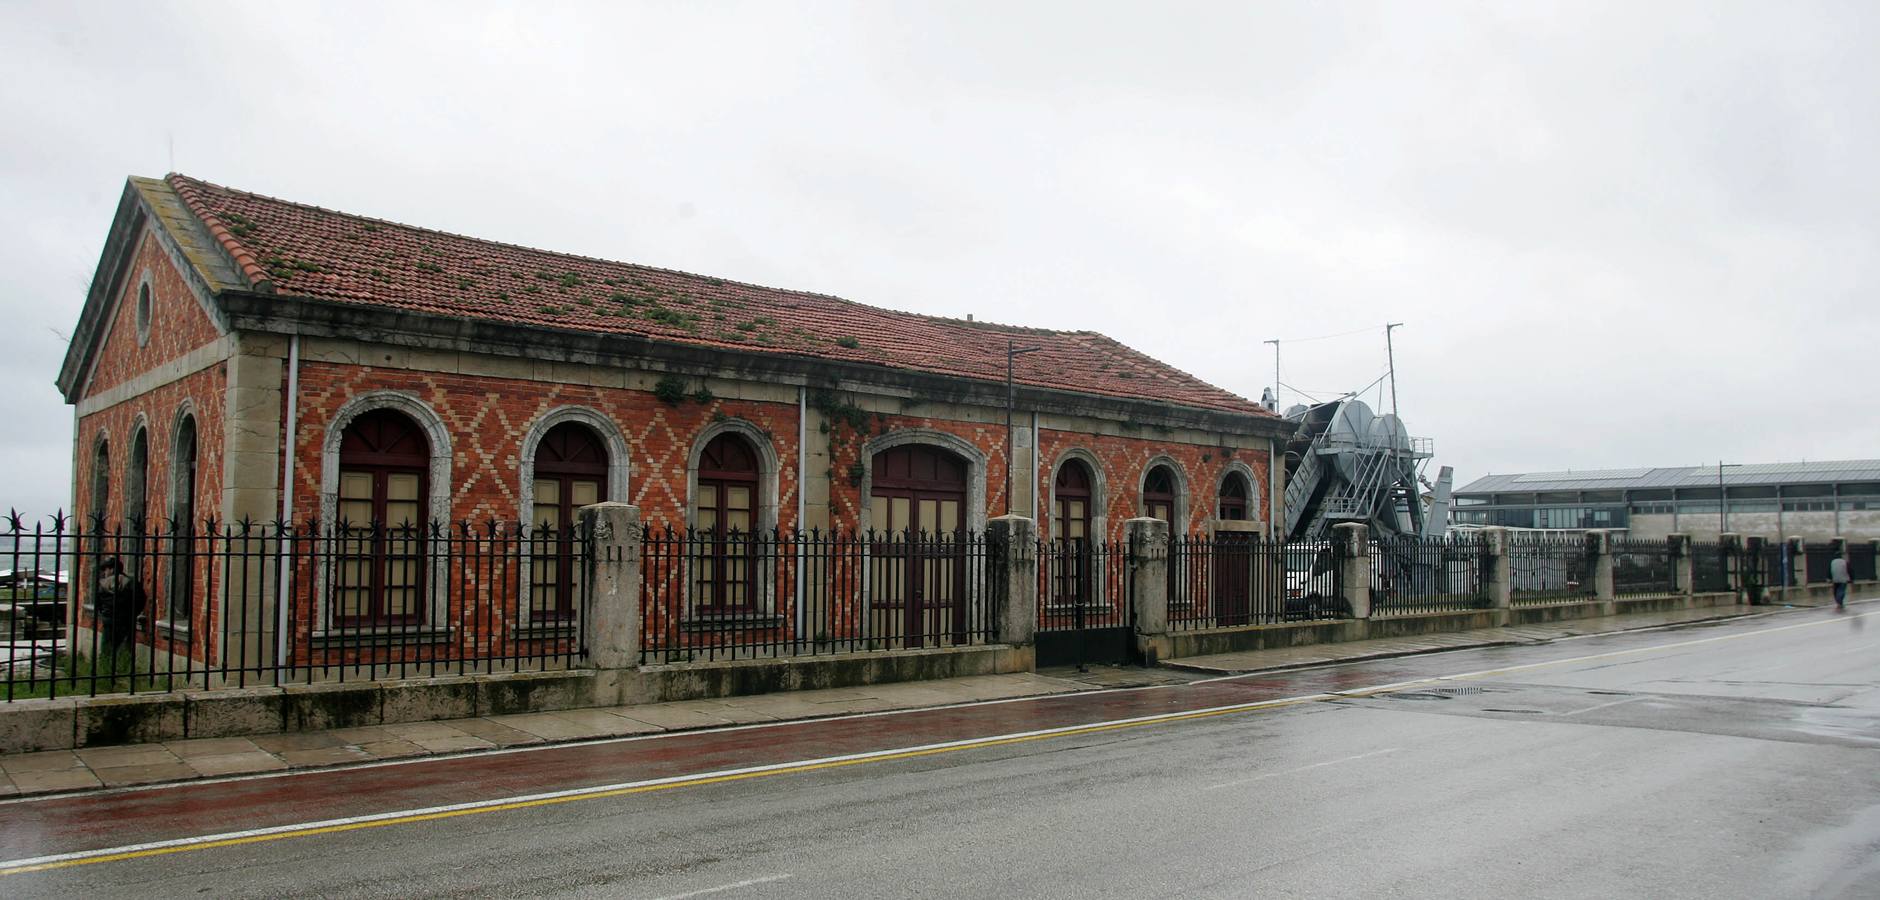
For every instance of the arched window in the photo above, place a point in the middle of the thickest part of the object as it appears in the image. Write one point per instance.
(570, 472)
(133, 543)
(1158, 495)
(182, 521)
(724, 516)
(100, 499)
(100, 485)
(143, 314)
(917, 507)
(134, 472)
(1070, 531)
(1233, 500)
(384, 462)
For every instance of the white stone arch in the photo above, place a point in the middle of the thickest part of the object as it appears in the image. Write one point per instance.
(1099, 493)
(975, 470)
(420, 412)
(619, 459)
(1255, 508)
(768, 469)
(438, 508)
(1184, 491)
(179, 545)
(769, 476)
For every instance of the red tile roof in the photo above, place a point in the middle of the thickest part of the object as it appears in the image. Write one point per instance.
(299, 250)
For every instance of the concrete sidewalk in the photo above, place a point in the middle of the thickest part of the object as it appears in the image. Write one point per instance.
(94, 768)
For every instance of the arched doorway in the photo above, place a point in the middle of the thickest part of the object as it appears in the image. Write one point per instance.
(917, 511)
(384, 466)
(1233, 553)
(570, 472)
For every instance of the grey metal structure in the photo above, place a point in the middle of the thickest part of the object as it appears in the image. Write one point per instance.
(1347, 464)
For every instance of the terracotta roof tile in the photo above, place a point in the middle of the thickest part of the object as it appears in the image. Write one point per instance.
(300, 250)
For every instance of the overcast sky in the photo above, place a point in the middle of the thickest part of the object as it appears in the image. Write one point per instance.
(1625, 235)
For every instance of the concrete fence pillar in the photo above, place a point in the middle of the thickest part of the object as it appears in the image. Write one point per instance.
(1681, 563)
(1730, 544)
(1351, 546)
(1012, 567)
(1600, 564)
(1497, 567)
(613, 577)
(1798, 560)
(1754, 559)
(1148, 572)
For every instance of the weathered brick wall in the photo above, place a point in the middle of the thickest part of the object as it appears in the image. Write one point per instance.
(1124, 460)
(177, 321)
(204, 392)
(488, 417)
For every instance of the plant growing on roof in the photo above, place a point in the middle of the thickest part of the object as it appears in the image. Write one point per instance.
(849, 341)
(570, 280)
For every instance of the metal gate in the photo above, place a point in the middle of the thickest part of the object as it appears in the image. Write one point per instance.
(1086, 608)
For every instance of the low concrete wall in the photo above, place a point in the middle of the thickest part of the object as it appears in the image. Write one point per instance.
(70, 723)
(693, 681)
(1269, 637)
(1815, 594)
(1300, 634)
(1558, 612)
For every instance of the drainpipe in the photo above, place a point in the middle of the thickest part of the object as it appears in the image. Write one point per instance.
(802, 465)
(281, 603)
(1034, 469)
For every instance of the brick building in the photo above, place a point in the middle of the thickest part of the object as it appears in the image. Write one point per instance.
(242, 357)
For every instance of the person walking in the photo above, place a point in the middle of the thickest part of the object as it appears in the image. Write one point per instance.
(1837, 573)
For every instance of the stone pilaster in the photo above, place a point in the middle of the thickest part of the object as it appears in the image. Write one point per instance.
(1351, 546)
(613, 615)
(1012, 564)
(1497, 568)
(1148, 550)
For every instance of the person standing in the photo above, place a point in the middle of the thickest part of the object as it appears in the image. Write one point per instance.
(119, 601)
(1837, 573)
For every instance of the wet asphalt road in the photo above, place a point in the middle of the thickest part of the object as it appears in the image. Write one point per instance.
(1738, 759)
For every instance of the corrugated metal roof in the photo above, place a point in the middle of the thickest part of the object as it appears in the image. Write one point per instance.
(1756, 474)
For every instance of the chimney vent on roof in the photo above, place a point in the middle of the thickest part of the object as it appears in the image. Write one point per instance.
(969, 317)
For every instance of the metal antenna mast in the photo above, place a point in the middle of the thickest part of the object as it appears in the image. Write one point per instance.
(1390, 353)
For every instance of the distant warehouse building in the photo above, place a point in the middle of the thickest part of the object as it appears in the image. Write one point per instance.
(1816, 500)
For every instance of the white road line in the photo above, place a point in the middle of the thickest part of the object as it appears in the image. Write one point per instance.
(1603, 706)
(749, 882)
(1330, 762)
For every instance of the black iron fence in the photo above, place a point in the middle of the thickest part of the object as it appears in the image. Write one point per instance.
(1814, 564)
(1860, 562)
(173, 606)
(711, 595)
(1709, 567)
(1233, 578)
(1412, 574)
(1643, 568)
(1549, 569)
(1083, 584)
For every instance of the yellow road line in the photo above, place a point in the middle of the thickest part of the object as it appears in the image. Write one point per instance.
(105, 856)
(603, 793)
